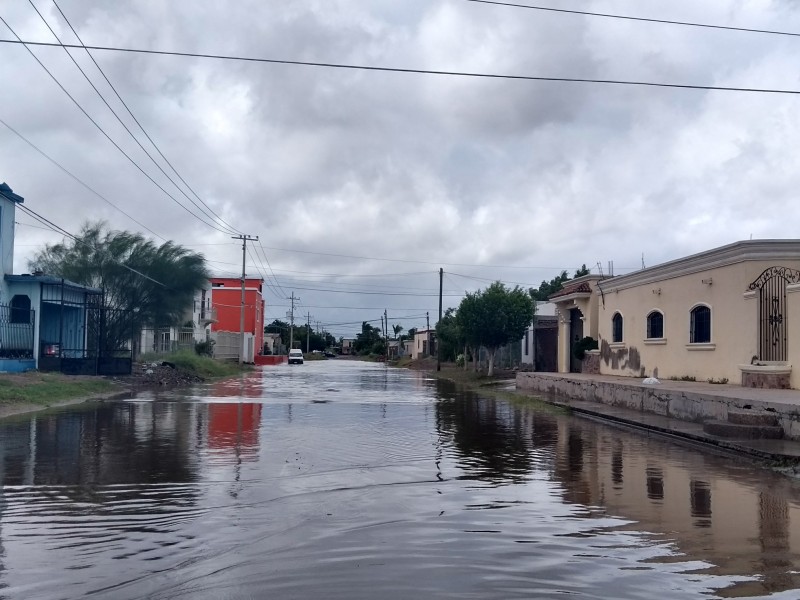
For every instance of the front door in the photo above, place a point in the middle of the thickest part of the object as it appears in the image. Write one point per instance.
(772, 325)
(575, 335)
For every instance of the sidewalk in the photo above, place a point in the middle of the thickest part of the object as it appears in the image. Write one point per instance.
(675, 409)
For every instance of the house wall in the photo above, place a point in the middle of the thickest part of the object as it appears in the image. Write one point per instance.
(734, 323)
(226, 298)
(423, 344)
(7, 215)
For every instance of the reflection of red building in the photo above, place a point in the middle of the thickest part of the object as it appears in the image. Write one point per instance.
(226, 298)
(233, 426)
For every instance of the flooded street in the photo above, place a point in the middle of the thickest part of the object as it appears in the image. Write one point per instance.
(343, 479)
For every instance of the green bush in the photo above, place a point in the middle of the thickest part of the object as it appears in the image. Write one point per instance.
(205, 348)
(581, 346)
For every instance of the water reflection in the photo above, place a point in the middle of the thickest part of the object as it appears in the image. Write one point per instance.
(395, 487)
(715, 510)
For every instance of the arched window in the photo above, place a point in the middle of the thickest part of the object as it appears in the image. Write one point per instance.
(20, 309)
(700, 325)
(616, 328)
(655, 325)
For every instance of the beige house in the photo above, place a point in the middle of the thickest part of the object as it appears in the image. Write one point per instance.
(577, 306)
(730, 313)
(424, 343)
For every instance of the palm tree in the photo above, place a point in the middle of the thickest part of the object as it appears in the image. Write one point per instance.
(397, 329)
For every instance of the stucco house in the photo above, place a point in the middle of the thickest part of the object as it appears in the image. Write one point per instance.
(539, 345)
(424, 343)
(727, 314)
(52, 324)
(194, 326)
(226, 300)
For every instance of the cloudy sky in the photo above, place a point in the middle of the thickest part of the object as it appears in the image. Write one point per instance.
(361, 184)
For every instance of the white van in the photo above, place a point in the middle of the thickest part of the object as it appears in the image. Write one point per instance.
(295, 357)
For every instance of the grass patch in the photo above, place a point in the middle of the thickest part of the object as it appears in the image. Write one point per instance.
(203, 366)
(487, 386)
(46, 388)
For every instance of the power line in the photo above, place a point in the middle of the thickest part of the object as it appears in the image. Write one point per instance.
(470, 74)
(632, 18)
(127, 108)
(97, 125)
(76, 178)
(33, 214)
(278, 283)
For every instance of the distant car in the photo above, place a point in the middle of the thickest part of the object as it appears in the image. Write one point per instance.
(329, 354)
(295, 357)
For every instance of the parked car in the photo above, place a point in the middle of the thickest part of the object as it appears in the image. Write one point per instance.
(295, 357)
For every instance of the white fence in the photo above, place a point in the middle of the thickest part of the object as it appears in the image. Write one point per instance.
(227, 345)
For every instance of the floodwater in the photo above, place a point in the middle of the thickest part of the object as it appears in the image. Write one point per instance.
(342, 479)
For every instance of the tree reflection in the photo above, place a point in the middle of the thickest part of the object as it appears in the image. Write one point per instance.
(489, 437)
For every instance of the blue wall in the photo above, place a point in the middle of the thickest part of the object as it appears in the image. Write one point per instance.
(17, 365)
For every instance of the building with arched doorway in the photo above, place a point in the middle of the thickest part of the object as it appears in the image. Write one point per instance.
(730, 314)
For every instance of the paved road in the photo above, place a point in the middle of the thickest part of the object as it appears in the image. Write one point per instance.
(342, 479)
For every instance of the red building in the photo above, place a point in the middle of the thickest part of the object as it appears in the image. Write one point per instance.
(226, 298)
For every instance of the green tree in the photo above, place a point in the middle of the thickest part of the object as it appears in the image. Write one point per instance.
(397, 328)
(494, 317)
(448, 334)
(154, 284)
(548, 288)
(369, 341)
(468, 321)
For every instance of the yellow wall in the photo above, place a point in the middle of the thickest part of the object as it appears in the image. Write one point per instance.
(734, 323)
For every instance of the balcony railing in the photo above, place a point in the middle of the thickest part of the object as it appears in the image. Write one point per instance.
(208, 314)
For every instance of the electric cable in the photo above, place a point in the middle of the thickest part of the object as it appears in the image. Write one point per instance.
(141, 127)
(80, 181)
(411, 71)
(108, 137)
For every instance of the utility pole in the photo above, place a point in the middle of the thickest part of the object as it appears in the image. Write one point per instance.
(245, 239)
(438, 342)
(291, 323)
(308, 333)
(386, 318)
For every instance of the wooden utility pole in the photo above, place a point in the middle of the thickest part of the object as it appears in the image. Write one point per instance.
(386, 318)
(308, 333)
(245, 239)
(291, 323)
(438, 341)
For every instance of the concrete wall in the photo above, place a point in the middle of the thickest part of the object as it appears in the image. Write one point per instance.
(689, 405)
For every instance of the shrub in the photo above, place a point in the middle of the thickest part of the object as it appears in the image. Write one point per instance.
(205, 348)
(581, 346)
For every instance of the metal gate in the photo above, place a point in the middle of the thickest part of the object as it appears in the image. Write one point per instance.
(772, 323)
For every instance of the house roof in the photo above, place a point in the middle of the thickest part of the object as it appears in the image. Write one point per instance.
(581, 287)
(49, 279)
(738, 252)
(6, 191)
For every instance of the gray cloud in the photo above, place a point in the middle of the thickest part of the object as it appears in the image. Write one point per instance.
(537, 176)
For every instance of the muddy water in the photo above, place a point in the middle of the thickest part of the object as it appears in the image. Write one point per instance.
(340, 479)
